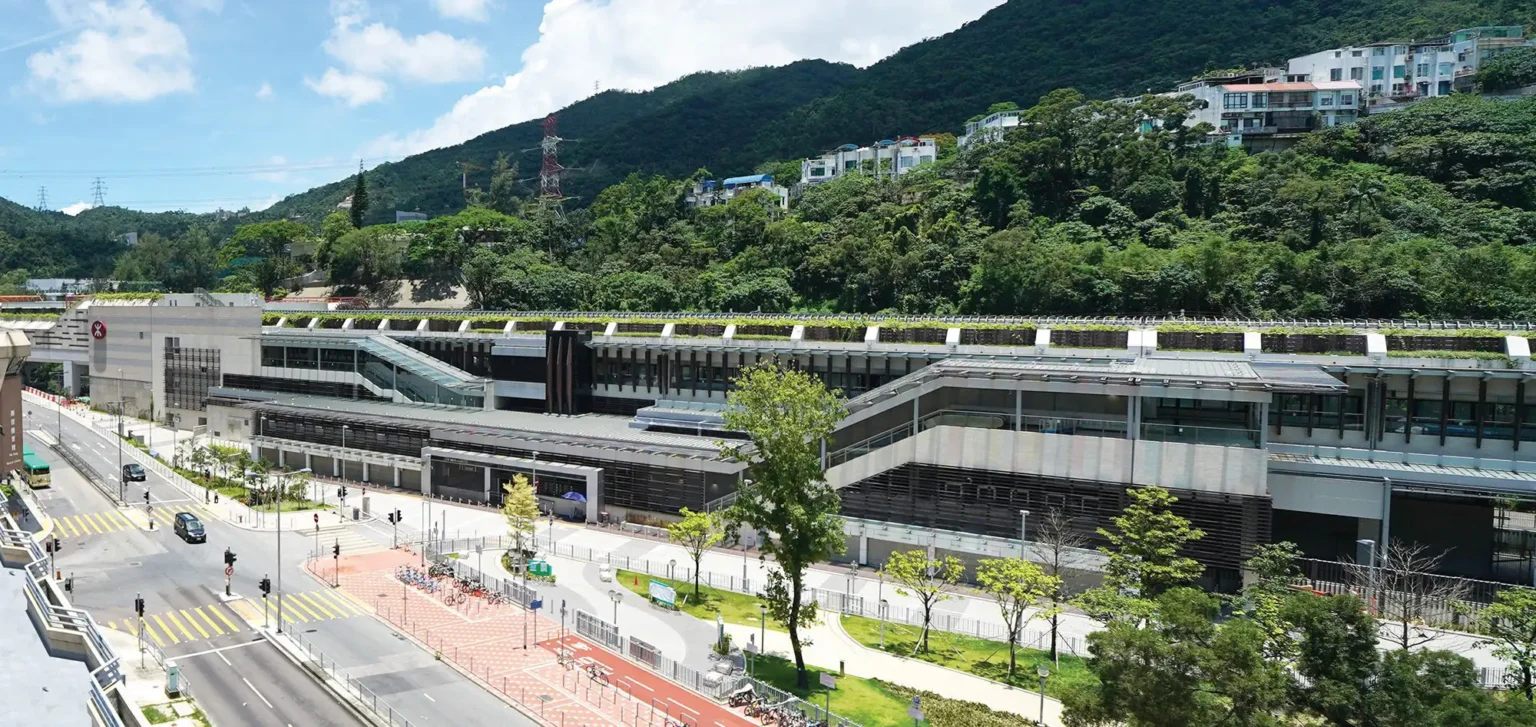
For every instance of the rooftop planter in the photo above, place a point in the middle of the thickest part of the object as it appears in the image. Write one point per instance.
(836, 332)
(1455, 355)
(640, 329)
(332, 322)
(298, 321)
(488, 324)
(1332, 341)
(271, 319)
(593, 326)
(750, 331)
(920, 333)
(404, 324)
(698, 330)
(29, 315)
(444, 325)
(1196, 337)
(533, 325)
(998, 336)
(1465, 340)
(1091, 336)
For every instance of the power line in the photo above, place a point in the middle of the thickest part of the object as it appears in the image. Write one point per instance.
(98, 193)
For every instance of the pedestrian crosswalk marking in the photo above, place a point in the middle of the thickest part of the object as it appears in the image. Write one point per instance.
(110, 521)
(223, 618)
(195, 624)
(165, 629)
(315, 601)
(217, 629)
(153, 635)
(292, 601)
(273, 611)
(347, 607)
(172, 616)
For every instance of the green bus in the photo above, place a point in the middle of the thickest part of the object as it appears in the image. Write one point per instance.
(34, 469)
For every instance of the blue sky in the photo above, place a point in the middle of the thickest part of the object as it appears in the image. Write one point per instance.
(208, 104)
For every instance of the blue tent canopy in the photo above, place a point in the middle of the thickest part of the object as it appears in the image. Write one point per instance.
(574, 497)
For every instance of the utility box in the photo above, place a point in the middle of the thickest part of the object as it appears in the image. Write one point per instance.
(172, 678)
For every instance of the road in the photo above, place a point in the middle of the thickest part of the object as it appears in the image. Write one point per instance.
(251, 685)
(112, 559)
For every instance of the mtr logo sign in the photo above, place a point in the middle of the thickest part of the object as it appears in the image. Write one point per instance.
(98, 330)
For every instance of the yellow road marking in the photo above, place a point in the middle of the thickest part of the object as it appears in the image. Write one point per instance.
(116, 519)
(90, 524)
(225, 619)
(291, 602)
(112, 625)
(209, 621)
(331, 599)
(313, 601)
(151, 631)
(195, 624)
(344, 600)
(272, 609)
(172, 616)
(166, 629)
(63, 521)
(100, 520)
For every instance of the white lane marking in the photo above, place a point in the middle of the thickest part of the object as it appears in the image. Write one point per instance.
(428, 696)
(253, 688)
(670, 700)
(225, 658)
(638, 684)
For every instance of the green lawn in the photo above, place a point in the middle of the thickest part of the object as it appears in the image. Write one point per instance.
(981, 657)
(862, 700)
(735, 608)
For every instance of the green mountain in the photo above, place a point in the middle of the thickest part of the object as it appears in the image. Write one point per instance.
(731, 123)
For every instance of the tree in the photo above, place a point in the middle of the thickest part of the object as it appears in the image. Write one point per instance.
(787, 415)
(520, 508)
(1016, 585)
(1407, 592)
(1270, 573)
(929, 580)
(1180, 670)
(697, 532)
(1058, 543)
(1510, 621)
(359, 199)
(367, 262)
(1143, 556)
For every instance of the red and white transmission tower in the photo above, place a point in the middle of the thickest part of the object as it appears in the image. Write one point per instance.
(549, 174)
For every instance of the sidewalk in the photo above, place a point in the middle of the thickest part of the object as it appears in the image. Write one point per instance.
(487, 643)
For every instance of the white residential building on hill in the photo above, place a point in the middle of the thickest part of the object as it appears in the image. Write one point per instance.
(992, 127)
(886, 159)
(1244, 110)
(1399, 72)
(708, 192)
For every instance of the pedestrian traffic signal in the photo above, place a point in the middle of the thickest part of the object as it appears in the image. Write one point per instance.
(146, 496)
(138, 606)
(229, 557)
(336, 550)
(266, 585)
(391, 518)
(341, 492)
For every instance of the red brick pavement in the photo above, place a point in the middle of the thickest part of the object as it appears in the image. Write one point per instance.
(487, 642)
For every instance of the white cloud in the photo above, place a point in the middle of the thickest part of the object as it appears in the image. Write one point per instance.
(353, 88)
(265, 92)
(76, 208)
(371, 52)
(641, 44)
(125, 51)
(473, 10)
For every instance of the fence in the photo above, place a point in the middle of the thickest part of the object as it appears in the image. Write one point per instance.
(1337, 578)
(103, 706)
(364, 696)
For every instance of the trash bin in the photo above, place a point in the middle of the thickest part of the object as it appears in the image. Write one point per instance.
(357, 514)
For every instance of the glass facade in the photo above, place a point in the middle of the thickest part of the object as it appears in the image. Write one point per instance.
(415, 383)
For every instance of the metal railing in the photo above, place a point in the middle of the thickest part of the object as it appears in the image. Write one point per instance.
(103, 706)
(982, 419)
(856, 605)
(365, 697)
(1186, 434)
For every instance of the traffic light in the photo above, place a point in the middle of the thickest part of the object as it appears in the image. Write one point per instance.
(391, 518)
(146, 496)
(336, 550)
(266, 585)
(341, 492)
(229, 557)
(138, 606)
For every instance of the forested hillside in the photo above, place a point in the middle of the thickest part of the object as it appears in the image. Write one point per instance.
(733, 123)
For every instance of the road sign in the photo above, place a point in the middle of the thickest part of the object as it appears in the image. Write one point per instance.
(662, 593)
(828, 681)
(915, 713)
(229, 570)
(98, 330)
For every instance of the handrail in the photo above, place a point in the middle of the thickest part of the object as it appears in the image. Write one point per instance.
(1117, 428)
(1131, 319)
(109, 716)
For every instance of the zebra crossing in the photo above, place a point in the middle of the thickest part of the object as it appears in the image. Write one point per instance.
(109, 521)
(351, 539)
(201, 623)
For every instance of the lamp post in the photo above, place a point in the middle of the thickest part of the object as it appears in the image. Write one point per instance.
(762, 623)
(279, 619)
(122, 482)
(884, 605)
(614, 594)
(1365, 553)
(1044, 671)
(343, 468)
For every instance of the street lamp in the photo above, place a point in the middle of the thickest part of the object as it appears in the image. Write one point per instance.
(1023, 530)
(279, 619)
(1365, 554)
(762, 622)
(884, 605)
(616, 596)
(122, 482)
(1044, 671)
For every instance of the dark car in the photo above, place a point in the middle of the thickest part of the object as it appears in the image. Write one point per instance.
(133, 472)
(189, 528)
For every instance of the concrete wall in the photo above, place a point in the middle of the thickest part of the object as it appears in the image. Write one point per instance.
(1230, 470)
(134, 346)
(1326, 496)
